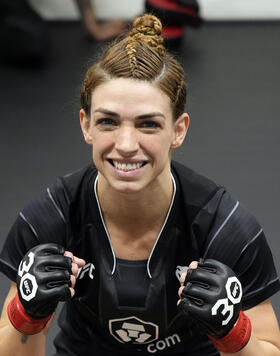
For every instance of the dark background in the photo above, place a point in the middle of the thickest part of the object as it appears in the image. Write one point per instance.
(233, 78)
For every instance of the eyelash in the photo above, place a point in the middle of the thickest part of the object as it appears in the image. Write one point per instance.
(106, 122)
(149, 125)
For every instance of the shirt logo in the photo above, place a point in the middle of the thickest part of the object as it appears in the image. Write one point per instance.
(133, 330)
(87, 270)
(28, 285)
(169, 341)
(225, 306)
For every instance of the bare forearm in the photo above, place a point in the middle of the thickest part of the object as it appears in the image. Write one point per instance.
(14, 343)
(84, 6)
(257, 347)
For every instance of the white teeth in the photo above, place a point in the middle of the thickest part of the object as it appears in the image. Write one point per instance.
(127, 167)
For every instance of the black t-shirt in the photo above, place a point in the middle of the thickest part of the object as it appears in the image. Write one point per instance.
(129, 307)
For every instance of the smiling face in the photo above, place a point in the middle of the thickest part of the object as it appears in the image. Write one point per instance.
(132, 132)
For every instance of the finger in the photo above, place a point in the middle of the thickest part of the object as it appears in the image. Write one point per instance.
(186, 275)
(183, 306)
(49, 249)
(79, 261)
(193, 264)
(73, 281)
(72, 292)
(182, 278)
(75, 269)
(56, 278)
(199, 295)
(55, 262)
(178, 302)
(69, 254)
(202, 277)
(60, 293)
(180, 290)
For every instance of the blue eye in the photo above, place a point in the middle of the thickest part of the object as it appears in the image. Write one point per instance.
(106, 122)
(150, 124)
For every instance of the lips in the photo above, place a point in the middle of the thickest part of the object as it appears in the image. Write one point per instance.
(127, 166)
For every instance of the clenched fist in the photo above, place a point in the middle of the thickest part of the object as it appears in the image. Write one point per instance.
(46, 275)
(212, 296)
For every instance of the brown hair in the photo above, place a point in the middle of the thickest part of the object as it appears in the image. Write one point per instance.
(141, 55)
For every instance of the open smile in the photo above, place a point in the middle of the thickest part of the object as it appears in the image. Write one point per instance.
(126, 166)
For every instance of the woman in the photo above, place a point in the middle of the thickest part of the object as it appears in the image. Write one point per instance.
(118, 240)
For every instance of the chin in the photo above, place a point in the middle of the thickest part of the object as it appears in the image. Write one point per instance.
(127, 188)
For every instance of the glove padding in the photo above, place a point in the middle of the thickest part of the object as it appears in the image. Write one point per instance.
(212, 297)
(44, 279)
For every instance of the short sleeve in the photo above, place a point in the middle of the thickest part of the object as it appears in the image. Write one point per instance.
(43, 220)
(256, 271)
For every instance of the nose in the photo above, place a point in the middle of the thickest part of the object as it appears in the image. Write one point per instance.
(127, 141)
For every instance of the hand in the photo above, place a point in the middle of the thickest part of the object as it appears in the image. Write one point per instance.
(106, 30)
(102, 31)
(211, 296)
(46, 275)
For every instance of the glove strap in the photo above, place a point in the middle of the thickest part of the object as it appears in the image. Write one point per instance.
(237, 338)
(22, 321)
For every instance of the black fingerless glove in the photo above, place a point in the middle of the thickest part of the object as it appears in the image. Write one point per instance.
(43, 280)
(212, 297)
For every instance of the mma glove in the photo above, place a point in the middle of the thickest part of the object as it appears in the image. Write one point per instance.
(43, 279)
(212, 298)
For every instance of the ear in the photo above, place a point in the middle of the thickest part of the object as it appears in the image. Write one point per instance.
(85, 126)
(181, 126)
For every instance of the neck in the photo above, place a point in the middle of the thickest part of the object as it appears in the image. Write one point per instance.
(141, 207)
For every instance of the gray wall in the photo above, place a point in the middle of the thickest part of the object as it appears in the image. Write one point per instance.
(233, 78)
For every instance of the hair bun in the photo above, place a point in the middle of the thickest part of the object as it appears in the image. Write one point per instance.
(147, 25)
(148, 28)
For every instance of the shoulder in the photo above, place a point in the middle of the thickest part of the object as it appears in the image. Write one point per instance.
(73, 183)
(233, 229)
(61, 194)
(219, 221)
(195, 189)
(49, 215)
(47, 218)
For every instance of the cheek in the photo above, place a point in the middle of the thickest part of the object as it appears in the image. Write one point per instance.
(101, 143)
(158, 146)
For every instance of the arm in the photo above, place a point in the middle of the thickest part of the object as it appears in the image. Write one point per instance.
(14, 343)
(96, 30)
(265, 338)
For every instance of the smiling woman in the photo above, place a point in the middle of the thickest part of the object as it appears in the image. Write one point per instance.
(132, 133)
(122, 238)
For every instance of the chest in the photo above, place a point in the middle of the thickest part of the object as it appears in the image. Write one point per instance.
(143, 288)
(133, 244)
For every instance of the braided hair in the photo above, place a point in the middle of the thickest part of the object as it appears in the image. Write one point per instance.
(140, 55)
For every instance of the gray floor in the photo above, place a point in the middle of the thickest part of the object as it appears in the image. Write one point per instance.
(233, 76)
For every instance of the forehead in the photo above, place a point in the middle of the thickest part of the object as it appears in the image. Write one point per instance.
(131, 97)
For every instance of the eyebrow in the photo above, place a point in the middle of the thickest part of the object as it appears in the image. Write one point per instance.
(143, 116)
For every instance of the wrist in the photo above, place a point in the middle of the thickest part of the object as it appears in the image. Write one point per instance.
(22, 321)
(237, 338)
